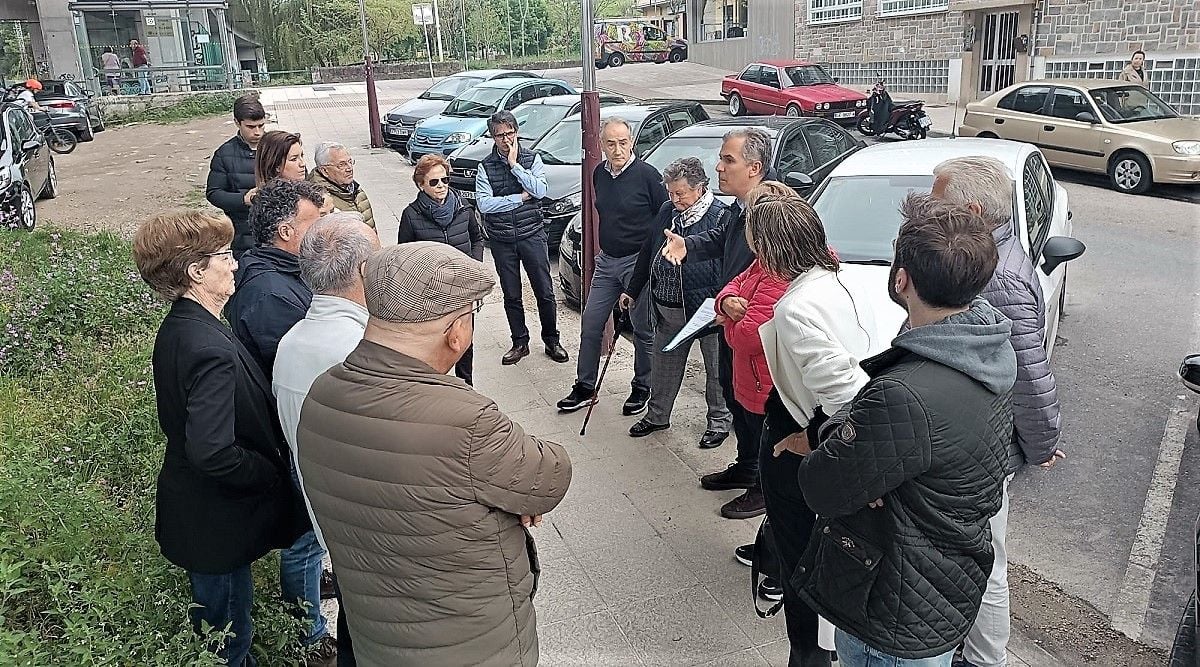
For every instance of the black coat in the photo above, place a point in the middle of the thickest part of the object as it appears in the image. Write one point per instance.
(230, 177)
(269, 300)
(225, 496)
(463, 232)
(701, 280)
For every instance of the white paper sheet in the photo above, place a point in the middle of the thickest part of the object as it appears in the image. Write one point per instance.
(704, 317)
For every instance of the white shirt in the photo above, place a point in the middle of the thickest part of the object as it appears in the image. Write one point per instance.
(329, 332)
(25, 98)
(816, 341)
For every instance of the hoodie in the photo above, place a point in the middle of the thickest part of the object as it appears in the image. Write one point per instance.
(928, 435)
(269, 298)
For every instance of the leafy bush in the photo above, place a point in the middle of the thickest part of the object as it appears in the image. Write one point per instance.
(81, 578)
(194, 106)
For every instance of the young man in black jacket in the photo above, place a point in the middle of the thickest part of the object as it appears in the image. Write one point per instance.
(910, 471)
(231, 172)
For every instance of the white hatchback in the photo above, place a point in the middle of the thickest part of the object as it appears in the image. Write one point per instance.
(859, 205)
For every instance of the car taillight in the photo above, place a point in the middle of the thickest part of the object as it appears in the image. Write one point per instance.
(61, 105)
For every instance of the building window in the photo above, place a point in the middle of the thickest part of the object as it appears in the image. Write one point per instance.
(834, 11)
(903, 7)
(1176, 80)
(909, 76)
(723, 19)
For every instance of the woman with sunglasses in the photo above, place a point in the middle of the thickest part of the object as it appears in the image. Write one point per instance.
(440, 214)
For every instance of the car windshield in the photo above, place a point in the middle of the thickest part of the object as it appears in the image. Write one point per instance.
(476, 103)
(862, 213)
(1128, 104)
(564, 143)
(807, 75)
(450, 88)
(535, 120)
(707, 149)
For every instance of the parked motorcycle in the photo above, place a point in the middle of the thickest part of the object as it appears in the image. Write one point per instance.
(906, 119)
(1183, 649)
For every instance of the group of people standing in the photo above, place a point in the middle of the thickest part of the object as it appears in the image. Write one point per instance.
(335, 411)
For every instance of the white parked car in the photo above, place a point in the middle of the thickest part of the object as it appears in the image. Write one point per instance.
(859, 204)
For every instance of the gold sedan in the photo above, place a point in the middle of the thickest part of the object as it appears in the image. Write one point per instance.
(1097, 125)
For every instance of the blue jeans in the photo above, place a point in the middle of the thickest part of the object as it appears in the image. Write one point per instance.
(853, 652)
(143, 75)
(225, 600)
(300, 581)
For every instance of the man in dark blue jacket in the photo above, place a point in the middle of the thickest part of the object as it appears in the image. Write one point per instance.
(231, 172)
(268, 300)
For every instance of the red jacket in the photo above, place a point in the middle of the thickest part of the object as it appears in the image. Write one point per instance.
(751, 377)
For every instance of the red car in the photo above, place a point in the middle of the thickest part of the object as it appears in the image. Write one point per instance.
(791, 88)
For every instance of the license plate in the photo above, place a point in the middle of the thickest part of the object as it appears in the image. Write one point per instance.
(398, 132)
(925, 122)
(844, 114)
(467, 194)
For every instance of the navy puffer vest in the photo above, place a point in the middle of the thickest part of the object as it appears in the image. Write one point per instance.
(523, 221)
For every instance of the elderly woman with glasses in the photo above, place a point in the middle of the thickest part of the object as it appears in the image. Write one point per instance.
(224, 498)
(335, 173)
(677, 293)
(440, 214)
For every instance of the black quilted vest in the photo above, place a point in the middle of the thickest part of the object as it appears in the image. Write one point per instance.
(521, 222)
(700, 280)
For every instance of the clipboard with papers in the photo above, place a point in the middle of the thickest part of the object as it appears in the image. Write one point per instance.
(701, 324)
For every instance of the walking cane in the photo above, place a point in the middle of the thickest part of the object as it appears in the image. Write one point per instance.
(618, 315)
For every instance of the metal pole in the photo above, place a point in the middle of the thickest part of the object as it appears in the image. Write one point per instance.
(466, 58)
(437, 23)
(590, 118)
(376, 131)
(428, 51)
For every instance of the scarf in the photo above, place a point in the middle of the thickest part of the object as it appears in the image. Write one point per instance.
(692, 214)
(442, 213)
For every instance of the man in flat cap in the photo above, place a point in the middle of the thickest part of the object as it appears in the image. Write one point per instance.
(423, 489)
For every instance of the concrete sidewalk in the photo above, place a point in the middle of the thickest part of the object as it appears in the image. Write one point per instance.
(638, 565)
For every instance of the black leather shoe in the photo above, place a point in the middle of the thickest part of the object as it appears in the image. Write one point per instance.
(733, 477)
(557, 353)
(746, 506)
(581, 396)
(712, 439)
(644, 428)
(517, 353)
(636, 403)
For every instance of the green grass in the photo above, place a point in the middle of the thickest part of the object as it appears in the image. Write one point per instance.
(81, 578)
(197, 106)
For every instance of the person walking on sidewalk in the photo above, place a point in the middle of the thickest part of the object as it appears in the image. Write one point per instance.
(423, 488)
(509, 184)
(909, 472)
(676, 294)
(231, 172)
(821, 330)
(629, 196)
(984, 185)
(743, 163)
(141, 63)
(440, 214)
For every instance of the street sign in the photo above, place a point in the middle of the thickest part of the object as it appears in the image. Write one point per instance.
(422, 14)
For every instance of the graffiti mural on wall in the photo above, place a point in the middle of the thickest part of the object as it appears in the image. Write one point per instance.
(632, 40)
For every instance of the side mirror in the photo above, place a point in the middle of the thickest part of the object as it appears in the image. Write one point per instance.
(1060, 250)
(1086, 117)
(31, 145)
(1189, 372)
(798, 180)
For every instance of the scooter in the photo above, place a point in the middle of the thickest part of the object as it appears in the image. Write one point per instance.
(906, 119)
(1183, 649)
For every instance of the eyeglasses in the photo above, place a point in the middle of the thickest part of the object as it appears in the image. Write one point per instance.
(475, 308)
(505, 135)
(434, 182)
(227, 254)
(344, 164)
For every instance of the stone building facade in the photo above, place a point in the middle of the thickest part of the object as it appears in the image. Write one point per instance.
(963, 50)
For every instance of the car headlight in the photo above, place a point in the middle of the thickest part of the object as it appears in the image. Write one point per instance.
(1187, 147)
(458, 138)
(860, 103)
(567, 204)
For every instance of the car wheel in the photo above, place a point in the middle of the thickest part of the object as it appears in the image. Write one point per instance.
(1183, 649)
(676, 56)
(987, 135)
(616, 59)
(99, 124)
(793, 111)
(601, 64)
(1130, 173)
(50, 190)
(736, 108)
(864, 125)
(85, 133)
(26, 213)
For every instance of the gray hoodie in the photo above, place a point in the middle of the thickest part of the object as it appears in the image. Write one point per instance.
(974, 342)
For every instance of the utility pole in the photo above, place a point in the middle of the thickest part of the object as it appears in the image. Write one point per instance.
(466, 58)
(590, 119)
(437, 23)
(369, 72)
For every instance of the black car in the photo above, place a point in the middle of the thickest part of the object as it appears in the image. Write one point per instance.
(804, 151)
(70, 107)
(534, 119)
(26, 169)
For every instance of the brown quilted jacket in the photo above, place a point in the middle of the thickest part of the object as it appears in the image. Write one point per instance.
(418, 484)
(345, 201)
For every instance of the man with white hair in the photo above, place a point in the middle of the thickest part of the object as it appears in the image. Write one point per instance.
(335, 173)
(983, 184)
(331, 254)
